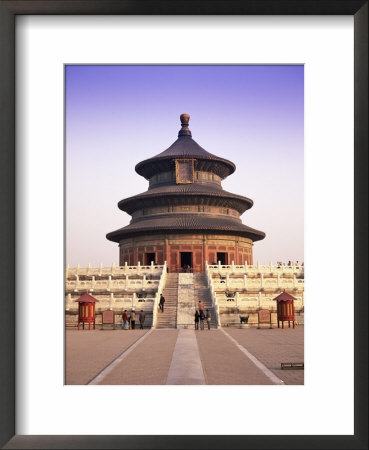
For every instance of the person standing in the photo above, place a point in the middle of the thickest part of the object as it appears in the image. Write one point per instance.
(201, 306)
(208, 318)
(125, 320)
(202, 318)
(161, 302)
(197, 318)
(133, 319)
(142, 319)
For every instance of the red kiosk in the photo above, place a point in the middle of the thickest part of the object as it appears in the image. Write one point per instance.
(86, 310)
(285, 309)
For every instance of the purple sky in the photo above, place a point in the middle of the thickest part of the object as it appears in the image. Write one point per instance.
(117, 116)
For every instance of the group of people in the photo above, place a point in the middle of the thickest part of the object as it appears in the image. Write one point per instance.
(129, 320)
(201, 316)
(290, 263)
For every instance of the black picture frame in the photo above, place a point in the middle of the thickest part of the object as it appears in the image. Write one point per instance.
(8, 12)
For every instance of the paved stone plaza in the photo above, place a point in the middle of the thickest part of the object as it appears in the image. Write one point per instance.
(228, 356)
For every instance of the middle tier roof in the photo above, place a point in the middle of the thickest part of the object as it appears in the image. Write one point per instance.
(185, 194)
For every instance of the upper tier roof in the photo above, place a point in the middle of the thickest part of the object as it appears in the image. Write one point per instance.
(185, 147)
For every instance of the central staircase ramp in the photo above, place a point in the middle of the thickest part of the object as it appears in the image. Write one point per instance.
(203, 293)
(193, 287)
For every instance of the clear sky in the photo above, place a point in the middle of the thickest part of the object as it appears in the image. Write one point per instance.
(117, 116)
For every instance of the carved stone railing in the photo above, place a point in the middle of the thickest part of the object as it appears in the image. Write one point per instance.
(152, 269)
(213, 295)
(254, 301)
(111, 285)
(234, 269)
(158, 293)
(255, 283)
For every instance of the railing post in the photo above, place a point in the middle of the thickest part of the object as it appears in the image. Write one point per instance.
(92, 282)
(77, 283)
(69, 302)
(157, 295)
(155, 310)
(245, 282)
(111, 301)
(215, 301)
(109, 283)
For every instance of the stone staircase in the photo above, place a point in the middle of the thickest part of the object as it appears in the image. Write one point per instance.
(168, 319)
(202, 292)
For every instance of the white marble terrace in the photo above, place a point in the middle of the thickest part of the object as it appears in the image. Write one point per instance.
(244, 287)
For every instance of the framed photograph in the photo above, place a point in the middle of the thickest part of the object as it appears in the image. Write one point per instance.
(37, 39)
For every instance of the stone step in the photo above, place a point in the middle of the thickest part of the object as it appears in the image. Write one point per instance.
(167, 319)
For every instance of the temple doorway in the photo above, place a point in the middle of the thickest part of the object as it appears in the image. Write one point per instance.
(186, 261)
(223, 258)
(150, 257)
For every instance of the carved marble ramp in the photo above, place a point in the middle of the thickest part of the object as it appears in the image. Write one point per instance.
(186, 367)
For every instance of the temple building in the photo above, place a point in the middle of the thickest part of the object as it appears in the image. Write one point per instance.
(185, 217)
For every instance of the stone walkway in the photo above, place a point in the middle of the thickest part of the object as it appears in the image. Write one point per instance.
(272, 347)
(186, 367)
(149, 363)
(169, 356)
(87, 352)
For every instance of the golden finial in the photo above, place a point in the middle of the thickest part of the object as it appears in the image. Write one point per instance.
(184, 131)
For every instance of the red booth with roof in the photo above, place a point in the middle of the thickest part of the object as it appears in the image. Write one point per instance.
(86, 310)
(285, 309)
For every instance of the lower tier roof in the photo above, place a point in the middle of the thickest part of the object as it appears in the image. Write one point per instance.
(186, 223)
